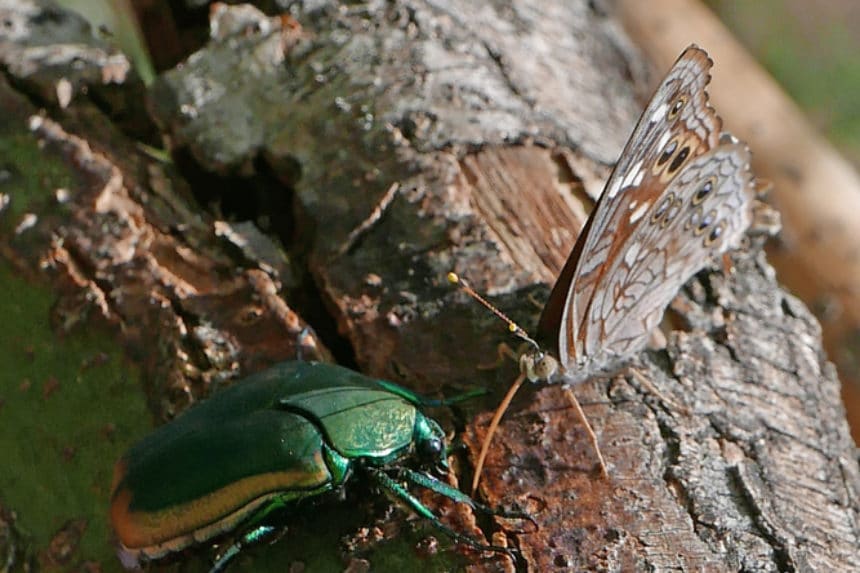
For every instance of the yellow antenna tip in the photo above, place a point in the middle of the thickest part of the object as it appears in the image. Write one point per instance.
(453, 278)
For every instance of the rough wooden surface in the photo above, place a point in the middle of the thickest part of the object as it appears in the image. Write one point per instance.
(470, 128)
(496, 124)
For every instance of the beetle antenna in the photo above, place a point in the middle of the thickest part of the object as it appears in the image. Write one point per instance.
(513, 327)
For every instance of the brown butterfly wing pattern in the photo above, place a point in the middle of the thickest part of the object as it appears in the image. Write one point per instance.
(678, 181)
(680, 194)
(682, 233)
(688, 76)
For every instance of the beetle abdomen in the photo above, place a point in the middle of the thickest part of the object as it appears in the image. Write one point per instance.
(184, 485)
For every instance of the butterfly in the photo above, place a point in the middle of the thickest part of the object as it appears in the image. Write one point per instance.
(680, 195)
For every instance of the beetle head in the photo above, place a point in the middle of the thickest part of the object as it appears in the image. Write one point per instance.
(430, 444)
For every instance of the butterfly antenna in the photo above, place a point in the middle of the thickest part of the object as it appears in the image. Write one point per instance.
(515, 328)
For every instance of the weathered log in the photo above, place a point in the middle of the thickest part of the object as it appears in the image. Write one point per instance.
(417, 138)
(488, 143)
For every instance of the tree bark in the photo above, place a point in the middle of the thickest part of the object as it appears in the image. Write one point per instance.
(421, 137)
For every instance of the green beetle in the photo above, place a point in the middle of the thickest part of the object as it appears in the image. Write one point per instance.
(290, 433)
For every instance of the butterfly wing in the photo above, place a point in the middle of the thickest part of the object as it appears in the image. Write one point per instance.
(703, 212)
(678, 129)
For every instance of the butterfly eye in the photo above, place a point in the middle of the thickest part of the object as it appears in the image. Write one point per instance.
(677, 106)
(668, 152)
(704, 190)
(715, 234)
(546, 366)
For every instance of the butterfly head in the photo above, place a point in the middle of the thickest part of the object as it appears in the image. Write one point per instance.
(535, 363)
(538, 365)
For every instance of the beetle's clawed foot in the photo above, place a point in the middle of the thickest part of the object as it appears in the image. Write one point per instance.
(521, 515)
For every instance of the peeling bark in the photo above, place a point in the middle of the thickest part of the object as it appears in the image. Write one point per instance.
(124, 243)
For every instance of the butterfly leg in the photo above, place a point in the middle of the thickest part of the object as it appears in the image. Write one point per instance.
(648, 385)
(537, 303)
(591, 435)
(491, 430)
(503, 351)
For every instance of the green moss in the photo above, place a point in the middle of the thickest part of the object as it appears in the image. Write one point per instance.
(29, 178)
(69, 408)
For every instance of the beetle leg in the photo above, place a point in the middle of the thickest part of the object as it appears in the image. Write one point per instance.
(256, 535)
(259, 528)
(387, 483)
(426, 402)
(454, 494)
(468, 395)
